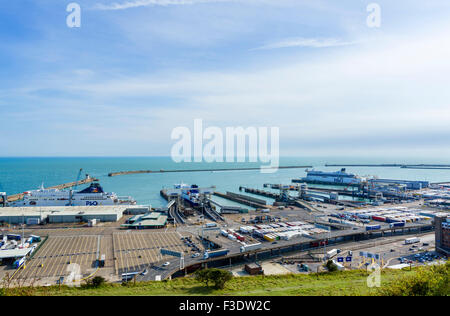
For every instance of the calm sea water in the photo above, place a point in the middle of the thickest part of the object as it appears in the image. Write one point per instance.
(22, 174)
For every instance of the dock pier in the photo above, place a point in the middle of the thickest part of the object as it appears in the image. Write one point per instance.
(242, 199)
(19, 196)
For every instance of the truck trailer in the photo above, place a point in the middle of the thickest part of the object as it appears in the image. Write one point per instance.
(255, 246)
(215, 253)
(412, 240)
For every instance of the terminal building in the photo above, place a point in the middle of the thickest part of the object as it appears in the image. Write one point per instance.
(442, 233)
(146, 221)
(409, 184)
(67, 214)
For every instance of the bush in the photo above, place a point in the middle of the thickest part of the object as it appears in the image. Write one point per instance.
(95, 282)
(98, 281)
(427, 281)
(331, 266)
(217, 276)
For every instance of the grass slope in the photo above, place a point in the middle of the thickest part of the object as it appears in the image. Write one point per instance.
(337, 283)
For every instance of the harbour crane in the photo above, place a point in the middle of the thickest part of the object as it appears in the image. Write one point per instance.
(74, 187)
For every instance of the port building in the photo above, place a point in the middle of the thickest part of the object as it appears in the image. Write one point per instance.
(410, 185)
(66, 214)
(442, 233)
(150, 220)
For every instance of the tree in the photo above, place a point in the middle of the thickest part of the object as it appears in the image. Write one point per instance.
(217, 276)
(202, 276)
(220, 277)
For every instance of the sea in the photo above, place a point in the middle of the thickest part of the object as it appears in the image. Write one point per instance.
(22, 174)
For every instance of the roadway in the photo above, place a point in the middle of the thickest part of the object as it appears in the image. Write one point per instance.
(278, 246)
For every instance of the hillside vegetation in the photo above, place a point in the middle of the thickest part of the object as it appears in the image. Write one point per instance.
(419, 281)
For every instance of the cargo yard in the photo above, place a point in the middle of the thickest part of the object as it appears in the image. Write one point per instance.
(289, 228)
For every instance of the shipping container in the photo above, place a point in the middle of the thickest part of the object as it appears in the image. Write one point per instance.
(33, 221)
(412, 240)
(379, 218)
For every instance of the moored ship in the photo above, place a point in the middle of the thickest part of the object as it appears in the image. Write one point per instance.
(190, 193)
(94, 195)
(331, 178)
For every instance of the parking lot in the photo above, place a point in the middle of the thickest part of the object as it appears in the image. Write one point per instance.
(134, 251)
(55, 255)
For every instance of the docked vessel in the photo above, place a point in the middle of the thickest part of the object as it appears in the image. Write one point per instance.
(190, 193)
(332, 178)
(90, 196)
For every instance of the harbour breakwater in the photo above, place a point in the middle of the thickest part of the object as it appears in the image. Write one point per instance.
(119, 173)
(394, 165)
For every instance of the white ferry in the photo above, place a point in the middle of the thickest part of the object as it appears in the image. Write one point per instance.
(190, 193)
(90, 196)
(337, 178)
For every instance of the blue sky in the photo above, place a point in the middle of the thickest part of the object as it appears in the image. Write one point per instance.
(136, 69)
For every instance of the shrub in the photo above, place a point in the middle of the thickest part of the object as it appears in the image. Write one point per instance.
(98, 281)
(427, 281)
(331, 266)
(95, 282)
(217, 276)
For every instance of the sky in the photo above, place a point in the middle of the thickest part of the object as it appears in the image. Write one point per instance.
(136, 69)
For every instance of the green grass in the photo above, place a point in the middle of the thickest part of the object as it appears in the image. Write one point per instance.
(336, 283)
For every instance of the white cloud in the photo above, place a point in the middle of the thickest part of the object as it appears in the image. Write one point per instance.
(146, 3)
(306, 42)
(377, 96)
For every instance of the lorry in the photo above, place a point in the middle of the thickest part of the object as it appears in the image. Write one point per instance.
(412, 240)
(19, 262)
(250, 247)
(14, 237)
(332, 253)
(397, 224)
(373, 227)
(215, 253)
(35, 238)
(211, 225)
